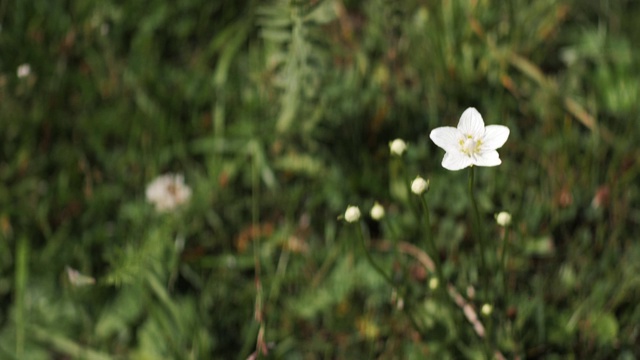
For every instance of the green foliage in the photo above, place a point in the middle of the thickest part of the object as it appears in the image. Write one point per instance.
(295, 55)
(279, 114)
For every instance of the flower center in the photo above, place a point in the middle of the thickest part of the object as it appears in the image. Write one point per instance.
(172, 189)
(469, 146)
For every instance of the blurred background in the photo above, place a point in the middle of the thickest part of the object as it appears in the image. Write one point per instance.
(278, 114)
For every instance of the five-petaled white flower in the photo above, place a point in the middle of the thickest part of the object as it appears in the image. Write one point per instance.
(78, 279)
(471, 143)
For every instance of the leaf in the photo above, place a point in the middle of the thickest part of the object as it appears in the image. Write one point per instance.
(604, 327)
(120, 315)
(300, 164)
(540, 246)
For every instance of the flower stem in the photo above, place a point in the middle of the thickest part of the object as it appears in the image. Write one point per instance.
(484, 271)
(479, 235)
(503, 267)
(409, 311)
(396, 249)
(259, 314)
(433, 249)
(407, 183)
(370, 259)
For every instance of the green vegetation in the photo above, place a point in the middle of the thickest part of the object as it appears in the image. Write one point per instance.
(279, 115)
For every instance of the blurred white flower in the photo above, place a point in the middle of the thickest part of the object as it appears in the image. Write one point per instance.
(471, 143)
(352, 214)
(503, 218)
(397, 147)
(78, 279)
(377, 211)
(486, 309)
(166, 192)
(24, 70)
(419, 185)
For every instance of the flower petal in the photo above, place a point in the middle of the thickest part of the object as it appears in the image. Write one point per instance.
(471, 123)
(446, 137)
(487, 158)
(494, 137)
(455, 161)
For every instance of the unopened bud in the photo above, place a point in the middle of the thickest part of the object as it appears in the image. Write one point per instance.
(419, 185)
(397, 147)
(352, 214)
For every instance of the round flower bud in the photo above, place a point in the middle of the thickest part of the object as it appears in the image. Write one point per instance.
(397, 147)
(352, 214)
(377, 211)
(433, 283)
(486, 309)
(419, 185)
(503, 218)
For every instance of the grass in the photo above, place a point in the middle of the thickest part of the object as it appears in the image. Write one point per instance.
(279, 114)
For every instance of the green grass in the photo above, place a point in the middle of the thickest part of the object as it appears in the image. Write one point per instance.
(279, 115)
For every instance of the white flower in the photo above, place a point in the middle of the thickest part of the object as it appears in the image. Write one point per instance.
(352, 214)
(419, 185)
(167, 192)
(397, 147)
(471, 143)
(78, 279)
(503, 218)
(23, 70)
(377, 211)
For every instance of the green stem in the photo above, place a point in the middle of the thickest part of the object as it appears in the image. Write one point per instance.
(433, 249)
(409, 311)
(370, 259)
(410, 314)
(21, 275)
(396, 248)
(503, 267)
(479, 235)
(64, 345)
(407, 183)
(255, 194)
(484, 273)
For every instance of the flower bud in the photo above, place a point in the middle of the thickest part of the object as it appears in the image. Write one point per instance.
(419, 185)
(24, 70)
(397, 147)
(433, 283)
(486, 309)
(352, 214)
(377, 211)
(503, 219)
